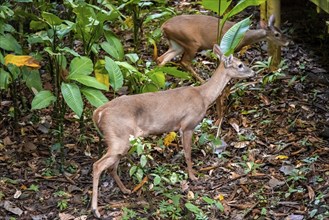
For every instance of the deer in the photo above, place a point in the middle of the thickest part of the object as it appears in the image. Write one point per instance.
(189, 34)
(180, 109)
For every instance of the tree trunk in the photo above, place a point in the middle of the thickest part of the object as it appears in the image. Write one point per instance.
(274, 7)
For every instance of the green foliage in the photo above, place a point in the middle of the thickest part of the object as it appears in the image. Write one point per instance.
(116, 77)
(171, 210)
(236, 32)
(34, 188)
(214, 5)
(43, 99)
(264, 66)
(62, 204)
(233, 36)
(128, 214)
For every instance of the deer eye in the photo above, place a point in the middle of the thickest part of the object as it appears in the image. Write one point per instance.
(240, 66)
(277, 35)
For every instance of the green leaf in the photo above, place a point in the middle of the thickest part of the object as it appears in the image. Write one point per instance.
(173, 71)
(213, 5)
(38, 25)
(94, 96)
(70, 51)
(219, 205)
(208, 200)
(150, 87)
(8, 42)
(244, 4)
(89, 81)
(174, 178)
(139, 174)
(143, 160)
(33, 79)
(157, 78)
(2, 59)
(116, 77)
(43, 99)
(113, 46)
(132, 170)
(80, 66)
(51, 19)
(72, 97)
(133, 57)
(127, 66)
(193, 208)
(233, 36)
(140, 149)
(157, 179)
(4, 79)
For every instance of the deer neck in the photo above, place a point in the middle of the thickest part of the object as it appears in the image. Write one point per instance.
(215, 85)
(251, 37)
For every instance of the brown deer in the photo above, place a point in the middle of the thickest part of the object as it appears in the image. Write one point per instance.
(188, 34)
(159, 112)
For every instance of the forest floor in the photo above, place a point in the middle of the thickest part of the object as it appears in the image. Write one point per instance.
(275, 165)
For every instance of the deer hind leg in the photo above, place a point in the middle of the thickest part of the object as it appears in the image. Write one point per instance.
(186, 62)
(174, 50)
(117, 179)
(187, 141)
(109, 160)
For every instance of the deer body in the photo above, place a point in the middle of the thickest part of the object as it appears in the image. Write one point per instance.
(188, 34)
(155, 113)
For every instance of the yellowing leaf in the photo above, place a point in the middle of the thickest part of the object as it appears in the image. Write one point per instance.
(20, 60)
(244, 50)
(155, 49)
(101, 74)
(281, 157)
(169, 138)
(129, 22)
(142, 183)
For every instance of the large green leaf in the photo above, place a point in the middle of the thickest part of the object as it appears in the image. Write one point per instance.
(233, 36)
(213, 5)
(116, 77)
(173, 71)
(51, 19)
(8, 42)
(4, 79)
(113, 46)
(43, 99)
(157, 78)
(80, 66)
(89, 81)
(94, 96)
(127, 66)
(149, 87)
(32, 78)
(2, 59)
(244, 4)
(72, 97)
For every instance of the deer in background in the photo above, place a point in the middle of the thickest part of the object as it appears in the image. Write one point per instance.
(156, 113)
(188, 34)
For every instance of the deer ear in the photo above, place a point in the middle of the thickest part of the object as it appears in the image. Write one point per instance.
(271, 21)
(228, 61)
(217, 51)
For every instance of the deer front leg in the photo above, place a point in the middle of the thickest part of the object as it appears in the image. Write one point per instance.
(187, 141)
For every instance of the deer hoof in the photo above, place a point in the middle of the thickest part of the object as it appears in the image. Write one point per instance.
(96, 214)
(126, 191)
